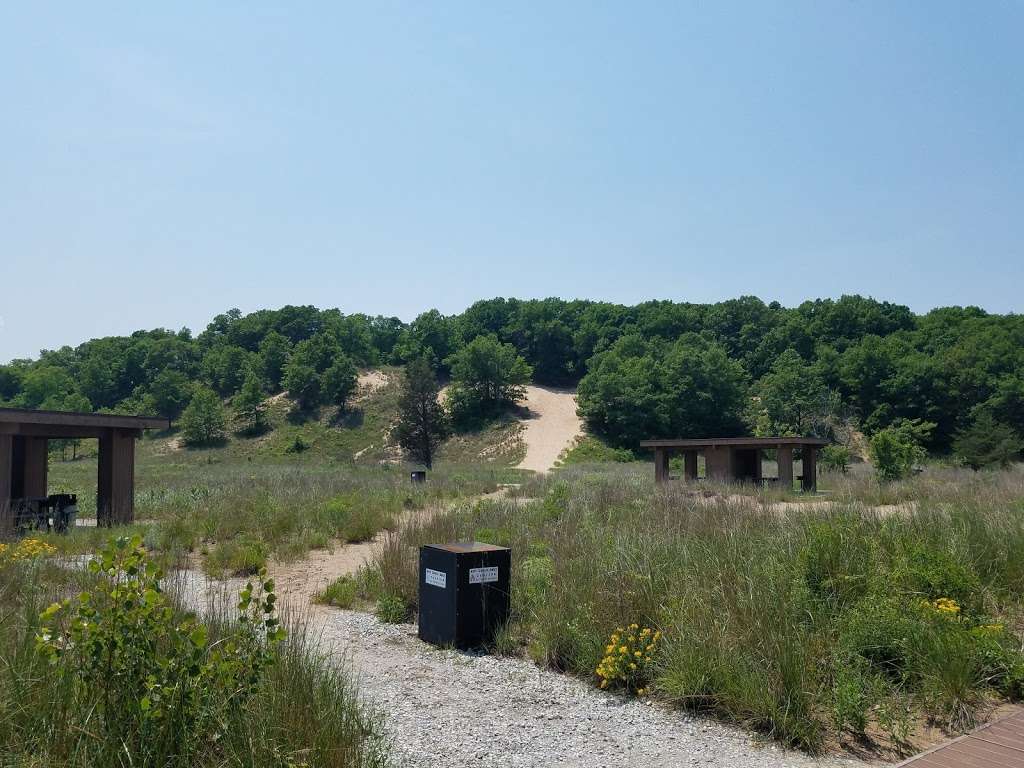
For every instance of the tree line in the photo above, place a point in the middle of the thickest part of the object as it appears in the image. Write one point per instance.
(656, 369)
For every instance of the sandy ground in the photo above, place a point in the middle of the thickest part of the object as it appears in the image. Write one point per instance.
(369, 382)
(551, 427)
(300, 581)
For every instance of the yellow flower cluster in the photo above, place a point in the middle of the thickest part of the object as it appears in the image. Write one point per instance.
(26, 549)
(946, 606)
(627, 657)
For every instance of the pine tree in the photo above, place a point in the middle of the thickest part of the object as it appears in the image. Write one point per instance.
(422, 420)
(987, 443)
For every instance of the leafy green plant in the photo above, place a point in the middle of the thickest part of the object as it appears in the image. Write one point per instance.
(157, 683)
(895, 450)
(392, 609)
(341, 593)
(835, 458)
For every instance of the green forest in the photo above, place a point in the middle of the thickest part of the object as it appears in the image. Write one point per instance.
(657, 369)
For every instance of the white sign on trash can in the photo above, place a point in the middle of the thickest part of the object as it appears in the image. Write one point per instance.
(436, 578)
(483, 575)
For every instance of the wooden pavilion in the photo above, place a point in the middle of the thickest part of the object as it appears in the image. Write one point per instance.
(739, 459)
(23, 458)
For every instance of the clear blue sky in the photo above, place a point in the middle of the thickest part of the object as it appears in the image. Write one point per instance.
(160, 165)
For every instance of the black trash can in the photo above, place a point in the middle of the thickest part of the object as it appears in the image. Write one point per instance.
(464, 593)
(419, 476)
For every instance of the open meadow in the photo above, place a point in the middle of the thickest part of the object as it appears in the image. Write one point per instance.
(867, 621)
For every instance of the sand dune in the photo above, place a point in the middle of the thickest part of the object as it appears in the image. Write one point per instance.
(551, 427)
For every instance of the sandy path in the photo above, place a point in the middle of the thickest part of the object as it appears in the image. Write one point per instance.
(551, 427)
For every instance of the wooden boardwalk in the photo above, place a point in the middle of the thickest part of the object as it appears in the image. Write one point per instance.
(996, 745)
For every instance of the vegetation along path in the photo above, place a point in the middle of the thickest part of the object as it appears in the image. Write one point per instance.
(447, 708)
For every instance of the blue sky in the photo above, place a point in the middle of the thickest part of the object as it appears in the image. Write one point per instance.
(160, 165)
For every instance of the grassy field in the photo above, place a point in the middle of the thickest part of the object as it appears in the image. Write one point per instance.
(306, 482)
(812, 624)
(857, 616)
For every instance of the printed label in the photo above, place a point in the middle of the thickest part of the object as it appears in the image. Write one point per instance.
(483, 575)
(436, 578)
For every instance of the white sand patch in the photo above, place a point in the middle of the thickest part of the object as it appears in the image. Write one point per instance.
(551, 428)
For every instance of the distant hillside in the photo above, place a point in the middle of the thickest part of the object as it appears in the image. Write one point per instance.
(827, 367)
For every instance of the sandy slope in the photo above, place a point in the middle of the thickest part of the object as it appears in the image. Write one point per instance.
(551, 427)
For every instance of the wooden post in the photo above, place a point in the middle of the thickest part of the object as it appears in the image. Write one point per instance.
(718, 463)
(784, 458)
(115, 486)
(810, 462)
(35, 467)
(6, 512)
(661, 459)
(690, 466)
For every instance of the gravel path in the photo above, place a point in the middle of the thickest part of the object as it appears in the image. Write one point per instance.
(446, 708)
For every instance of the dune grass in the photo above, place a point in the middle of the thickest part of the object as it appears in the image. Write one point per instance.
(298, 708)
(807, 624)
(237, 515)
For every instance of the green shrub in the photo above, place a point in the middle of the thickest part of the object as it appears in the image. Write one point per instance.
(243, 555)
(931, 573)
(158, 688)
(853, 693)
(838, 561)
(895, 450)
(879, 631)
(341, 593)
(836, 458)
(392, 609)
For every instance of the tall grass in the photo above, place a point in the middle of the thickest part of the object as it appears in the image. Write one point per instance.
(238, 515)
(798, 621)
(304, 711)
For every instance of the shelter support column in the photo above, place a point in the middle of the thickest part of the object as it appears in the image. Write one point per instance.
(6, 512)
(115, 486)
(35, 467)
(784, 458)
(718, 463)
(810, 462)
(690, 465)
(661, 459)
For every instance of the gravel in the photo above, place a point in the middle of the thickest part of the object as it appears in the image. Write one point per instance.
(448, 708)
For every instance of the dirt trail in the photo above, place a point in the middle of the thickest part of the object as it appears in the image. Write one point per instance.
(299, 582)
(551, 427)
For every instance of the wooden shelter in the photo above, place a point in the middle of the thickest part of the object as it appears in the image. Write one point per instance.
(23, 458)
(738, 459)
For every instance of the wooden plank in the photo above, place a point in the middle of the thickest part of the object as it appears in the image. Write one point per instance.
(974, 750)
(747, 442)
(93, 420)
(54, 431)
(996, 745)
